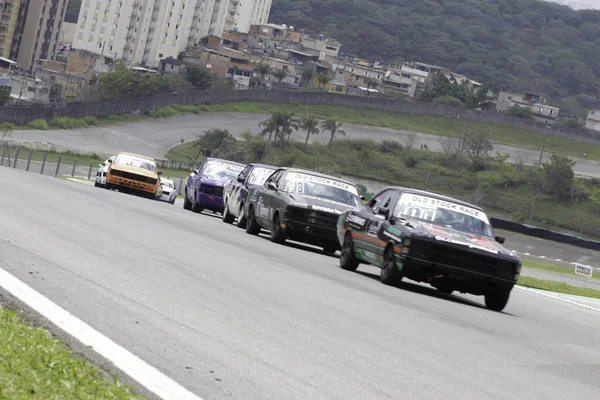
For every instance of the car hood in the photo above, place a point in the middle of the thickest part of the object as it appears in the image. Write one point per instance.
(135, 170)
(318, 204)
(443, 234)
(214, 180)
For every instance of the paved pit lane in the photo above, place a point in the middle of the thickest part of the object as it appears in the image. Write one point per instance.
(229, 315)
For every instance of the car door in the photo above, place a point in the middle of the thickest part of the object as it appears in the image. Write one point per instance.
(369, 240)
(192, 183)
(236, 189)
(268, 199)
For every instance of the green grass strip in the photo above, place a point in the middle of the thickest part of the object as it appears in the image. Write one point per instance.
(558, 287)
(33, 364)
(554, 268)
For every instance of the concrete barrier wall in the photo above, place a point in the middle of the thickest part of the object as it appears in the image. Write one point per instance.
(23, 115)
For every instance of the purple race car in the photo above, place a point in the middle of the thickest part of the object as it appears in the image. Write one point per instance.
(204, 186)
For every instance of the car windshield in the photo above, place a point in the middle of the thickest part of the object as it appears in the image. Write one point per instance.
(326, 189)
(222, 169)
(167, 185)
(133, 161)
(258, 176)
(443, 213)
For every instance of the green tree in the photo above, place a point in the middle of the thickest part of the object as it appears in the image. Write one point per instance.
(323, 79)
(124, 81)
(478, 147)
(4, 94)
(308, 75)
(280, 74)
(559, 176)
(198, 76)
(311, 125)
(221, 144)
(263, 70)
(333, 127)
(280, 125)
(520, 112)
(371, 83)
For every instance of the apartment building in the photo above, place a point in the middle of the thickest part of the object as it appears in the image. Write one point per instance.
(214, 17)
(37, 31)
(141, 32)
(9, 13)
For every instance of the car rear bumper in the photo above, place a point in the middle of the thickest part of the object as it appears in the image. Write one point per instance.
(130, 185)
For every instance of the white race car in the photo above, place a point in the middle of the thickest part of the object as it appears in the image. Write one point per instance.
(169, 191)
(101, 173)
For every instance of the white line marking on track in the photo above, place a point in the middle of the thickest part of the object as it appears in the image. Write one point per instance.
(530, 290)
(138, 369)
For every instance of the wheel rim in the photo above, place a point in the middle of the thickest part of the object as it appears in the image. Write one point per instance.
(387, 267)
(276, 227)
(345, 250)
(241, 214)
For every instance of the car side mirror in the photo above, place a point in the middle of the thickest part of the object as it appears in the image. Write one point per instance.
(271, 185)
(241, 179)
(197, 171)
(500, 239)
(160, 172)
(384, 211)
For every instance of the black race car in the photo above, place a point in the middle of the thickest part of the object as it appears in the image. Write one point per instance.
(300, 205)
(429, 238)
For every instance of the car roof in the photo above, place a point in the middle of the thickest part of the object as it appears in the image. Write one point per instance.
(308, 172)
(223, 160)
(167, 180)
(264, 166)
(136, 155)
(435, 195)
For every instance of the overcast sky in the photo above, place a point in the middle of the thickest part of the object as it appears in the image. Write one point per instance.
(579, 4)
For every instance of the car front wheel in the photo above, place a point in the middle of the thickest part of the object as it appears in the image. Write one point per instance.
(227, 216)
(348, 259)
(389, 271)
(496, 301)
(277, 233)
(187, 204)
(252, 226)
(241, 219)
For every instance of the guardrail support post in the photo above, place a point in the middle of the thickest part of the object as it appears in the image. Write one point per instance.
(29, 160)
(43, 163)
(90, 172)
(74, 166)
(58, 165)
(16, 157)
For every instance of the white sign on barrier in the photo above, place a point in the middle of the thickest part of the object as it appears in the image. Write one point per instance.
(583, 270)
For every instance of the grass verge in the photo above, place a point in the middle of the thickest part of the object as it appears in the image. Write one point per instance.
(431, 124)
(554, 268)
(558, 287)
(33, 364)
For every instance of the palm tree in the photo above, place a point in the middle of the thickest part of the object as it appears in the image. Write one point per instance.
(280, 125)
(311, 125)
(332, 126)
(323, 79)
(371, 83)
(263, 69)
(307, 76)
(280, 74)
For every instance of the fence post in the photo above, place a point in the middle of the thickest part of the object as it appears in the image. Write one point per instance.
(3, 153)
(180, 186)
(74, 166)
(29, 160)
(90, 172)
(58, 165)
(16, 157)
(43, 163)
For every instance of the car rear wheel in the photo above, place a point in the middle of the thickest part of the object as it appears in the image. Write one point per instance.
(348, 259)
(277, 233)
(241, 219)
(389, 271)
(252, 226)
(496, 301)
(227, 216)
(187, 204)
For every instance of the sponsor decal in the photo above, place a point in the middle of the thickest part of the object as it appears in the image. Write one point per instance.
(392, 236)
(354, 219)
(324, 181)
(584, 270)
(416, 200)
(323, 199)
(373, 228)
(394, 230)
(469, 245)
(326, 209)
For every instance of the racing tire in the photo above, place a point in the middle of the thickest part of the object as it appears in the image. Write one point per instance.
(445, 290)
(389, 271)
(227, 216)
(278, 235)
(348, 259)
(187, 204)
(197, 208)
(496, 301)
(96, 184)
(241, 219)
(252, 226)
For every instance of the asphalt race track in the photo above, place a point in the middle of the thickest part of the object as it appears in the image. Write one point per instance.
(229, 315)
(154, 137)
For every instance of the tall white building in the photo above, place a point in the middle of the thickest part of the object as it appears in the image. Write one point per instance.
(213, 17)
(141, 32)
